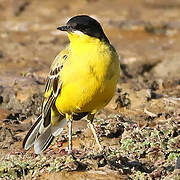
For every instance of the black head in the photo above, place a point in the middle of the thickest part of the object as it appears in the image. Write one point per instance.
(86, 25)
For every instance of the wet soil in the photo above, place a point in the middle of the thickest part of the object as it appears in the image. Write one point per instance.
(139, 128)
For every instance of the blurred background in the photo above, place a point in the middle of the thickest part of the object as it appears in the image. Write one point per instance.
(146, 35)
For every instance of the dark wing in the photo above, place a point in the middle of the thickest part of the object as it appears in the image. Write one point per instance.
(53, 86)
(42, 132)
(40, 135)
(52, 89)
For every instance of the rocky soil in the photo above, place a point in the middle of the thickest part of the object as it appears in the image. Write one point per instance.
(139, 129)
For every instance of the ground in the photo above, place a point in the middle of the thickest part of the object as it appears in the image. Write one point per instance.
(139, 129)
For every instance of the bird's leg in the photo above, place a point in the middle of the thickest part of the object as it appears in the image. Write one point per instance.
(69, 122)
(70, 158)
(90, 118)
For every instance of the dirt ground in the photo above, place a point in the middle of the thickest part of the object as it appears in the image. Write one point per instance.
(140, 127)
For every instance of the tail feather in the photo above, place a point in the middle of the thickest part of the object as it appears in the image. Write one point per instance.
(43, 141)
(41, 136)
(32, 134)
(58, 128)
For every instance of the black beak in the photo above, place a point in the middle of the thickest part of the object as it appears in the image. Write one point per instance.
(64, 28)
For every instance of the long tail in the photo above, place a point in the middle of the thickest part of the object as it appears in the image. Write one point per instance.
(41, 137)
(32, 134)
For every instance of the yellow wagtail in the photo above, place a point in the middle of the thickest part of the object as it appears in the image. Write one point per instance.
(81, 81)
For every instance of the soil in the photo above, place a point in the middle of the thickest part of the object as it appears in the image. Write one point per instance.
(139, 129)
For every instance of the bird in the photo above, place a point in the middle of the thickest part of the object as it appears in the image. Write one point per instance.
(82, 80)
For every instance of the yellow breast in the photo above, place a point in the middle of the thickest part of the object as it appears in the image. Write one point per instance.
(89, 76)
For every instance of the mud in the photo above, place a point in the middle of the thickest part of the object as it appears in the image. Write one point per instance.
(139, 128)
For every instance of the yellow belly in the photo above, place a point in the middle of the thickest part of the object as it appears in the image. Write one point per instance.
(85, 95)
(88, 80)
